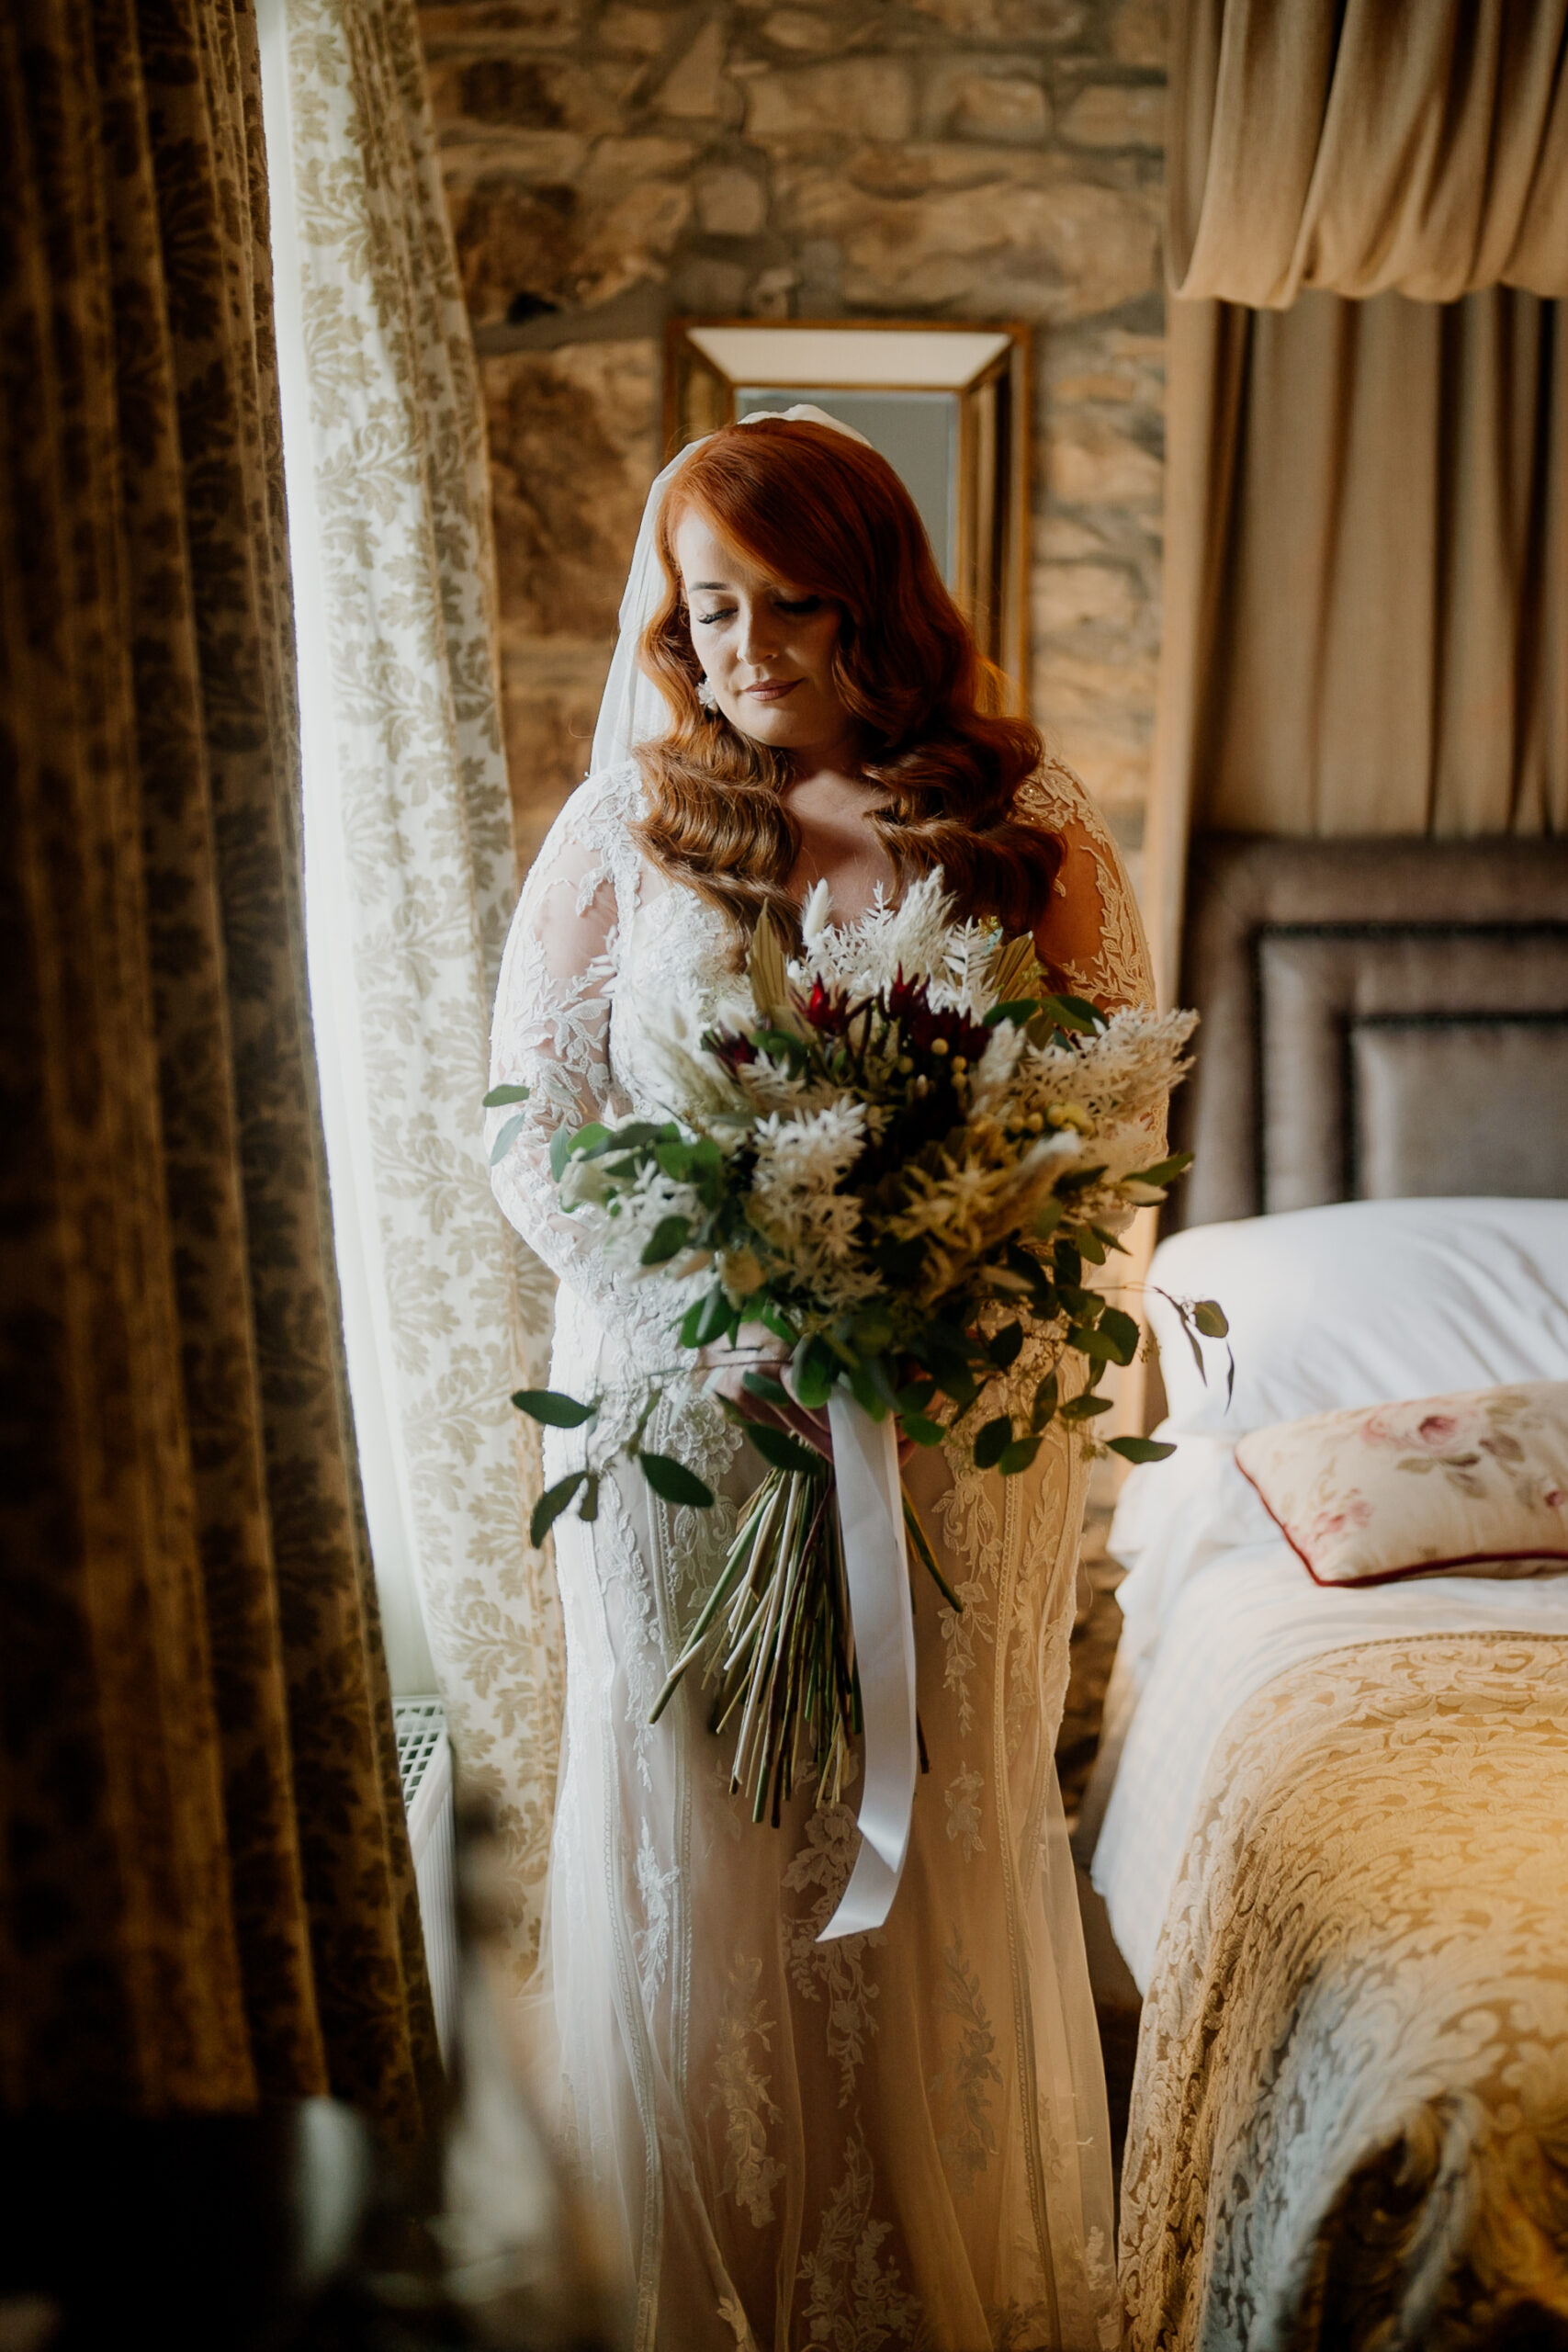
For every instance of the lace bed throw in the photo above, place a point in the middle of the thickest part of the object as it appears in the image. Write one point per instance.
(1349, 2121)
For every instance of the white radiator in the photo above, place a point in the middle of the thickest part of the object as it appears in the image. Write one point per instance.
(425, 1760)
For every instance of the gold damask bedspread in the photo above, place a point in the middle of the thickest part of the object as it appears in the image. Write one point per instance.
(1350, 2121)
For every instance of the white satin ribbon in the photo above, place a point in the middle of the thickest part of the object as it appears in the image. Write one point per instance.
(871, 1515)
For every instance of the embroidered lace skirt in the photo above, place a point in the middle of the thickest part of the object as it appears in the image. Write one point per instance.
(895, 2139)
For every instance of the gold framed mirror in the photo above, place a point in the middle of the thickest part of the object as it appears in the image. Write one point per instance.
(947, 404)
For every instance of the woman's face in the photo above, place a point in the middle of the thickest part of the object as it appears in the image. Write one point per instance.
(766, 645)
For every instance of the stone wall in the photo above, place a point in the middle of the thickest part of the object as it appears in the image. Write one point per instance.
(610, 163)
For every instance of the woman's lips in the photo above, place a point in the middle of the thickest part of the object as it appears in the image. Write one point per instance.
(773, 689)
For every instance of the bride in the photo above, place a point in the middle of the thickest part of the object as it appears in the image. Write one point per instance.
(898, 2138)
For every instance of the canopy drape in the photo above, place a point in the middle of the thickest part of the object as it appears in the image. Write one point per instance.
(1376, 146)
(413, 877)
(207, 1895)
(1366, 492)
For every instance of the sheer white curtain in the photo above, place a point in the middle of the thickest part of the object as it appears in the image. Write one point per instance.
(410, 878)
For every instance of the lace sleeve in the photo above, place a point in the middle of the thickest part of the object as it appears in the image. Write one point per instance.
(1092, 936)
(551, 1031)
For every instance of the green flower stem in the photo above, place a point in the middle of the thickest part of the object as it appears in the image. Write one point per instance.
(921, 1542)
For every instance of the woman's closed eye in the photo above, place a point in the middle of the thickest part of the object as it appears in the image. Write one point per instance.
(796, 606)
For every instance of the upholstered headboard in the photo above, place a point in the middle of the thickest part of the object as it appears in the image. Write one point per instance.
(1380, 1018)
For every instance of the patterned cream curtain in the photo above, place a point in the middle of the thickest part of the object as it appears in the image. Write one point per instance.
(411, 871)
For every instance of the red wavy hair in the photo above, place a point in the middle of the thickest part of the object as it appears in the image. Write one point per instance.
(830, 518)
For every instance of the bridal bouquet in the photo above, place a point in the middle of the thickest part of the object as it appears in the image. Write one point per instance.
(886, 1171)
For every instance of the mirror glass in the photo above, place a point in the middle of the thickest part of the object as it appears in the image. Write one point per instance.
(948, 406)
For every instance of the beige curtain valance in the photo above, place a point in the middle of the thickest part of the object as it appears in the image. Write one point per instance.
(1417, 146)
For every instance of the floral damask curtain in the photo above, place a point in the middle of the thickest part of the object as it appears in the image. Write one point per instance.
(411, 866)
(208, 1897)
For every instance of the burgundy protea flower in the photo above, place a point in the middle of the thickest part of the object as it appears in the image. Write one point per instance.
(910, 1004)
(828, 1010)
(729, 1046)
(903, 996)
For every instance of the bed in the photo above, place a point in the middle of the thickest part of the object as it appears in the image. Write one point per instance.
(1329, 1825)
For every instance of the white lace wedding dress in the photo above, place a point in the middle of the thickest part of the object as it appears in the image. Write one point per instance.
(895, 2139)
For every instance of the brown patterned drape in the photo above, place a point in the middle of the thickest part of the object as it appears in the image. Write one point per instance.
(208, 1897)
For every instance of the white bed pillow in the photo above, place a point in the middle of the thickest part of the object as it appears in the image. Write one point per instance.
(1364, 1303)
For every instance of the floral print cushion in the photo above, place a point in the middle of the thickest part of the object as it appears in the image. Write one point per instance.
(1472, 1485)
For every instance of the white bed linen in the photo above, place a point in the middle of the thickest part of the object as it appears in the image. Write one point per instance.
(1361, 1303)
(1233, 1622)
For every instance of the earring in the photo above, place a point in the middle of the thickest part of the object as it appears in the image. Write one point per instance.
(705, 693)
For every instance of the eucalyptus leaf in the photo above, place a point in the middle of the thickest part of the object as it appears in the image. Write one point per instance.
(715, 1316)
(923, 1432)
(1074, 1013)
(1085, 1408)
(1018, 1456)
(763, 1384)
(870, 1331)
(1119, 1334)
(499, 1095)
(815, 1373)
(779, 1045)
(1088, 1016)
(551, 1504)
(673, 1483)
(1140, 1449)
(1165, 1172)
(554, 1407)
(993, 1442)
(669, 1236)
(1209, 1318)
(782, 1452)
(507, 1137)
(633, 1136)
(1004, 1348)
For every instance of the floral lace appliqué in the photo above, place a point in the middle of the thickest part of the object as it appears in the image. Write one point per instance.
(857, 2303)
(964, 2084)
(962, 1794)
(836, 1972)
(651, 1941)
(740, 2092)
